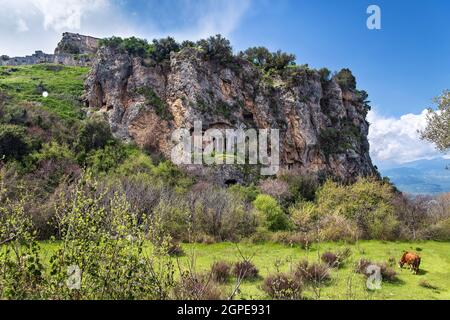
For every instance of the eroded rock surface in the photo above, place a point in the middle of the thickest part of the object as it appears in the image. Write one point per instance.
(323, 127)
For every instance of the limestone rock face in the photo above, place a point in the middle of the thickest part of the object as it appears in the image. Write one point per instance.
(323, 128)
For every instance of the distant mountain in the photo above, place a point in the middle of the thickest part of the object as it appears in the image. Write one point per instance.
(420, 177)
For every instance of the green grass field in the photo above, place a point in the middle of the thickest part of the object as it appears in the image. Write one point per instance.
(64, 85)
(345, 284)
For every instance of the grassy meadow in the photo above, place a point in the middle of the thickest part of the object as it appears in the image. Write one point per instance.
(345, 284)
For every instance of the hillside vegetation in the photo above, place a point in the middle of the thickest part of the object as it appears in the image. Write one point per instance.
(73, 195)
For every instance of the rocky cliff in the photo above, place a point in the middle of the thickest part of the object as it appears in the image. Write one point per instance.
(323, 127)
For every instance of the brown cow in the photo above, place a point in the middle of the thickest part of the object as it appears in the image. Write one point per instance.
(412, 260)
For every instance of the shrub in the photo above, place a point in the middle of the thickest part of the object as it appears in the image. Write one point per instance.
(14, 144)
(439, 231)
(312, 273)
(292, 239)
(193, 286)
(330, 259)
(94, 134)
(261, 235)
(336, 260)
(302, 215)
(245, 270)
(275, 188)
(221, 271)
(368, 203)
(152, 99)
(283, 287)
(301, 187)
(387, 273)
(274, 216)
(106, 159)
(221, 214)
(335, 227)
(345, 79)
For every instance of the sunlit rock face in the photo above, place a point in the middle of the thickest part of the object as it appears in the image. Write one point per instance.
(323, 127)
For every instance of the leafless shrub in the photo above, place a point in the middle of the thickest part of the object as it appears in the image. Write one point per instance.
(330, 259)
(221, 271)
(312, 273)
(197, 287)
(245, 270)
(282, 287)
(276, 188)
(387, 273)
(292, 239)
(335, 227)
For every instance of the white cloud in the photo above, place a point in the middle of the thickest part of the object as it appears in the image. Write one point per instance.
(397, 141)
(65, 14)
(29, 25)
(22, 26)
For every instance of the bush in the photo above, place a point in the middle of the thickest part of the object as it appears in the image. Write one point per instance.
(94, 134)
(335, 227)
(106, 159)
(335, 260)
(245, 270)
(220, 214)
(196, 287)
(275, 188)
(292, 239)
(302, 215)
(275, 218)
(14, 144)
(368, 203)
(301, 187)
(387, 273)
(345, 79)
(152, 99)
(221, 271)
(330, 259)
(282, 287)
(312, 273)
(439, 231)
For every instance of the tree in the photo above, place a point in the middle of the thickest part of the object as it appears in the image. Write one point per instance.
(280, 60)
(259, 56)
(163, 48)
(217, 47)
(263, 58)
(438, 123)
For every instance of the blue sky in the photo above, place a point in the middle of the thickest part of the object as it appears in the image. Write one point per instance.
(402, 66)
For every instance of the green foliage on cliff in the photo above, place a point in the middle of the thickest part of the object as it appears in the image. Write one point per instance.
(152, 99)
